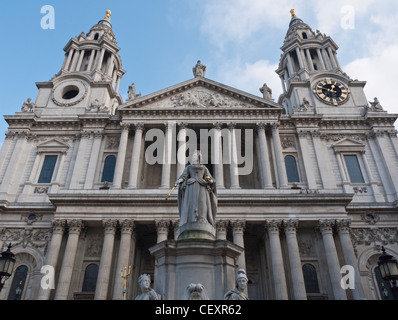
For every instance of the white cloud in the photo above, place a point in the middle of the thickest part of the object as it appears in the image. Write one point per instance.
(250, 77)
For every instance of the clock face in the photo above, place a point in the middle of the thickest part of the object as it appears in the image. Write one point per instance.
(331, 92)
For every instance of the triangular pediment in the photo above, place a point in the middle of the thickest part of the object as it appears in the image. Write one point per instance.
(199, 93)
(52, 145)
(348, 145)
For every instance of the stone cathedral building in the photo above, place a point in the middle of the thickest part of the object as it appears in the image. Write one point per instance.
(80, 199)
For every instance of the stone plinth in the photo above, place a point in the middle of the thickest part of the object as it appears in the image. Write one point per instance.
(180, 263)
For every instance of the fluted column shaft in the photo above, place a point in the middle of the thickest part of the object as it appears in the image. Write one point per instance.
(136, 156)
(296, 270)
(238, 228)
(65, 277)
(162, 228)
(280, 162)
(263, 156)
(218, 156)
(182, 149)
(58, 227)
(101, 290)
(126, 233)
(121, 157)
(343, 228)
(326, 228)
(278, 269)
(166, 168)
(234, 172)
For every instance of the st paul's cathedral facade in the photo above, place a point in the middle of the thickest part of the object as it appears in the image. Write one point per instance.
(306, 184)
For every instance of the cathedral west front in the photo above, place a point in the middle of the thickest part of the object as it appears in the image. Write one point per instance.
(293, 190)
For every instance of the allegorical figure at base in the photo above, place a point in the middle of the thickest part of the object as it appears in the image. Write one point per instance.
(147, 293)
(238, 293)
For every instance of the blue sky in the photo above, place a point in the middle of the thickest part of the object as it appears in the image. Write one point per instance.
(238, 40)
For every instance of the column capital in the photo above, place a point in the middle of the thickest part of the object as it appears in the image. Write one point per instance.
(109, 225)
(139, 126)
(273, 225)
(290, 225)
(162, 225)
(182, 125)
(231, 125)
(238, 225)
(125, 125)
(343, 225)
(326, 225)
(218, 125)
(58, 225)
(222, 225)
(275, 125)
(127, 225)
(75, 226)
(261, 125)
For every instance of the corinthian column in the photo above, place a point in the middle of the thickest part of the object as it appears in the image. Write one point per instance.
(343, 229)
(238, 228)
(278, 269)
(65, 276)
(218, 156)
(264, 156)
(221, 227)
(58, 227)
(294, 260)
(182, 149)
(121, 157)
(281, 170)
(162, 228)
(326, 228)
(126, 234)
(101, 289)
(136, 156)
(234, 172)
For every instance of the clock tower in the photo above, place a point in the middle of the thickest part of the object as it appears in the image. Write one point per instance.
(312, 78)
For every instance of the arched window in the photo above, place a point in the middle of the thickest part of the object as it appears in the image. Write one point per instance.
(96, 36)
(90, 278)
(291, 169)
(109, 169)
(310, 278)
(305, 35)
(18, 283)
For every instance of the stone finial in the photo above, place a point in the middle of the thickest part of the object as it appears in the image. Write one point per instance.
(199, 70)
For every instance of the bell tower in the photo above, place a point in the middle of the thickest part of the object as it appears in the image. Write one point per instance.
(89, 77)
(312, 78)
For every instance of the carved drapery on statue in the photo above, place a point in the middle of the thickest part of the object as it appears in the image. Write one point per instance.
(197, 201)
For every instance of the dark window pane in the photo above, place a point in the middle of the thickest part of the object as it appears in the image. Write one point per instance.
(47, 170)
(109, 169)
(291, 169)
(18, 283)
(310, 278)
(353, 168)
(90, 278)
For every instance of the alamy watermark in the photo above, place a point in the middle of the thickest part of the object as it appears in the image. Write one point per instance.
(48, 20)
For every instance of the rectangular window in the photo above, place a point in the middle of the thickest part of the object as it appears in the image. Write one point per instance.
(47, 170)
(353, 168)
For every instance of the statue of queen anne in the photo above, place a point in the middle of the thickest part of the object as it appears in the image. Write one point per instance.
(197, 201)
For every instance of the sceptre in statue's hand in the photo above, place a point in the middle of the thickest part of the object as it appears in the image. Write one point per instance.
(175, 186)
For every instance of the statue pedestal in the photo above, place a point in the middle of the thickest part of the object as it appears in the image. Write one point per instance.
(182, 262)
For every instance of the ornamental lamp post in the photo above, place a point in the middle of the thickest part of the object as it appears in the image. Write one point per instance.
(7, 262)
(389, 270)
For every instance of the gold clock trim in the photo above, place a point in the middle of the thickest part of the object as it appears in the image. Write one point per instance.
(319, 91)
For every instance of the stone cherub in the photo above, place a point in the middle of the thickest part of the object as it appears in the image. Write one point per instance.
(147, 293)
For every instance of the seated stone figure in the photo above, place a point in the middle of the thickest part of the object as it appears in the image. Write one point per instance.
(238, 292)
(147, 293)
